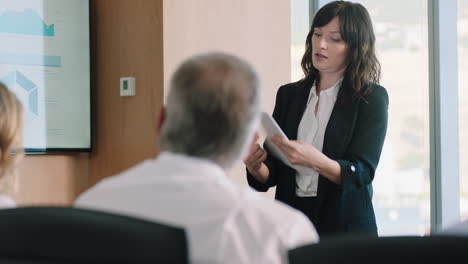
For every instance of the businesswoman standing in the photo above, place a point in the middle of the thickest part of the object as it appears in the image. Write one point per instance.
(336, 121)
(11, 151)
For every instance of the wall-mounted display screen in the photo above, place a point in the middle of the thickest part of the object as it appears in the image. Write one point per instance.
(45, 60)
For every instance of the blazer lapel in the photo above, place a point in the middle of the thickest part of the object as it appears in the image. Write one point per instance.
(339, 128)
(297, 108)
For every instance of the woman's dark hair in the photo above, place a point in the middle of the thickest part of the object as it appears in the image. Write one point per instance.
(357, 31)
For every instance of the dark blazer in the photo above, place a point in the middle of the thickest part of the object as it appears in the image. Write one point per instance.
(354, 138)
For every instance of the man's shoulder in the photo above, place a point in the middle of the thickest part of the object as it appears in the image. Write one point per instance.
(275, 221)
(460, 229)
(275, 213)
(121, 180)
(6, 201)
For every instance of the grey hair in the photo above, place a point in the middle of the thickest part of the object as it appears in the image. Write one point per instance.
(213, 108)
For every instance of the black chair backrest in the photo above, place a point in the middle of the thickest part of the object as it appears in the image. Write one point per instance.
(401, 250)
(73, 235)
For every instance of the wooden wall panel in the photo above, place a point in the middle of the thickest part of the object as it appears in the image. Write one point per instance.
(51, 179)
(127, 41)
(256, 30)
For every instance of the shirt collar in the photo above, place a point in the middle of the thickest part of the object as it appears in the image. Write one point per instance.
(330, 92)
(189, 164)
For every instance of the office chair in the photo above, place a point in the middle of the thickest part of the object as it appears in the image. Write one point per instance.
(73, 235)
(384, 250)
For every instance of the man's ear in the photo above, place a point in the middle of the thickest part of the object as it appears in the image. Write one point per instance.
(162, 116)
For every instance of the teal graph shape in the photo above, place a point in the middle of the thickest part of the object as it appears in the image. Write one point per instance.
(27, 22)
(17, 78)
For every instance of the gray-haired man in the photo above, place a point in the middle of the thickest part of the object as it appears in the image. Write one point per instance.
(210, 120)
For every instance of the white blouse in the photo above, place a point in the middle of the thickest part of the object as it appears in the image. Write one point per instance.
(312, 131)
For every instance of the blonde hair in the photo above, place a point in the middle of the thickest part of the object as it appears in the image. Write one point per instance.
(11, 127)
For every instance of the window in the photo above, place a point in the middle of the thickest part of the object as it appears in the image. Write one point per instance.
(401, 184)
(299, 28)
(463, 103)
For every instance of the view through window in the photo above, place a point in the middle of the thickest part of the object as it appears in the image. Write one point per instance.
(402, 181)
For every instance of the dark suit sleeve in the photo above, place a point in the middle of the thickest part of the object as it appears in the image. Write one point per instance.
(271, 162)
(361, 158)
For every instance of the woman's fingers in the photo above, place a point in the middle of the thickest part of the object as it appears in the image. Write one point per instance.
(256, 158)
(263, 157)
(284, 144)
(256, 153)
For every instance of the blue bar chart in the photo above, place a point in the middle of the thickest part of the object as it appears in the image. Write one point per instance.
(27, 22)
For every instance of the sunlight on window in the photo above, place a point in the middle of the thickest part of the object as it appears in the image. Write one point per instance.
(401, 184)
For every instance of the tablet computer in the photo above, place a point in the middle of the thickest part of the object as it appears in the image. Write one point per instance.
(272, 128)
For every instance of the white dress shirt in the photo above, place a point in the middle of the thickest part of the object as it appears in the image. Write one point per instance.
(312, 131)
(224, 222)
(6, 202)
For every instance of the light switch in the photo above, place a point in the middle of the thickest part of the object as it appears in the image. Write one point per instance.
(127, 86)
